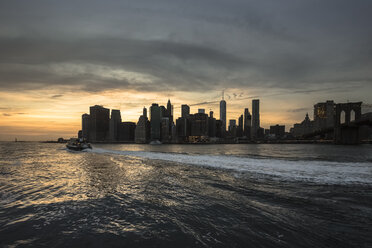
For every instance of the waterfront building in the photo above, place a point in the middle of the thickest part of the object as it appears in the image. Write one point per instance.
(99, 123)
(155, 121)
(85, 126)
(114, 124)
(142, 132)
(255, 118)
(232, 128)
(169, 114)
(126, 131)
(165, 134)
(239, 129)
(199, 125)
(305, 127)
(185, 110)
(324, 113)
(223, 114)
(247, 123)
(182, 129)
(212, 132)
(277, 130)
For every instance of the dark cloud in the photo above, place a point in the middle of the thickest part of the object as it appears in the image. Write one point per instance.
(298, 110)
(178, 46)
(6, 114)
(57, 96)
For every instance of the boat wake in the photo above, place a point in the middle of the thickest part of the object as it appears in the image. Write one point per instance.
(328, 172)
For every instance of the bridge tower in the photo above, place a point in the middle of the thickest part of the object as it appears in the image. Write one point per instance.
(347, 133)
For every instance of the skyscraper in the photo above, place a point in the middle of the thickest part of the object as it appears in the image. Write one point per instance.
(155, 121)
(247, 123)
(114, 124)
(239, 130)
(255, 117)
(142, 132)
(85, 123)
(144, 112)
(99, 123)
(223, 113)
(185, 110)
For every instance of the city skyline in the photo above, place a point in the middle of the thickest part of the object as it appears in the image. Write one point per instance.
(59, 58)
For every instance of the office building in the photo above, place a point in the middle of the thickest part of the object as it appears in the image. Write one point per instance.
(247, 123)
(223, 114)
(199, 125)
(255, 118)
(85, 125)
(126, 131)
(114, 124)
(212, 131)
(142, 132)
(99, 123)
(278, 131)
(155, 121)
(185, 110)
(165, 130)
(324, 113)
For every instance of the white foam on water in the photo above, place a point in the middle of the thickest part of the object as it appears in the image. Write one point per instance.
(313, 171)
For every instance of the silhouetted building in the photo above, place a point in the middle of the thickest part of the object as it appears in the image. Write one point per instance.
(277, 130)
(247, 123)
(80, 134)
(219, 129)
(155, 120)
(199, 124)
(260, 133)
(305, 127)
(142, 132)
(126, 131)
(201, 111)
(114, 124)
(85, 126)
(324, 113)
(223, 114)
(255, 118)
(99, 123)
(165, 134)
(239, 129)
(169, 115)
(183, 129)
(232, 128)
(212, 132)
(185, 110)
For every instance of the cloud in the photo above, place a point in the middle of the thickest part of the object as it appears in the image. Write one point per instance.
(6, 114)
(175, 46)
(298, 110)
(57, 96)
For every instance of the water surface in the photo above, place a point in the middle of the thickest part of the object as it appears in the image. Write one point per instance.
(186, 196)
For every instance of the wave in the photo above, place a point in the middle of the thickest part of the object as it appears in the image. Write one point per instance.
(328, 172)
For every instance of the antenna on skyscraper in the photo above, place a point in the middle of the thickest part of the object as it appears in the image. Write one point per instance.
(223, 94)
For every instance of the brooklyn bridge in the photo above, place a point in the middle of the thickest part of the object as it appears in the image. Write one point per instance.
(347, 124)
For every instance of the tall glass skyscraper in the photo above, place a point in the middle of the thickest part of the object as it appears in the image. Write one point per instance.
(155, 121)
(255, 117)
(223, 114)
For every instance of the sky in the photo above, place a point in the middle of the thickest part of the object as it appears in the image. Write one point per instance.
(57, 58)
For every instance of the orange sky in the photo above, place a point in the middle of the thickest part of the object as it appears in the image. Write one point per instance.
(45, 115)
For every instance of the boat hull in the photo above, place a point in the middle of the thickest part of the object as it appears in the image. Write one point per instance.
(77, 148)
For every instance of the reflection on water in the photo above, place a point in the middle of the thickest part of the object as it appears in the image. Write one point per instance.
(53, 197)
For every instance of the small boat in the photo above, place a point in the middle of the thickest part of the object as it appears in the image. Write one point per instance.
(78, 144)
(155, 142)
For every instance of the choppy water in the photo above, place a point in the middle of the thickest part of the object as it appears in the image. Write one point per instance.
(185, 196)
